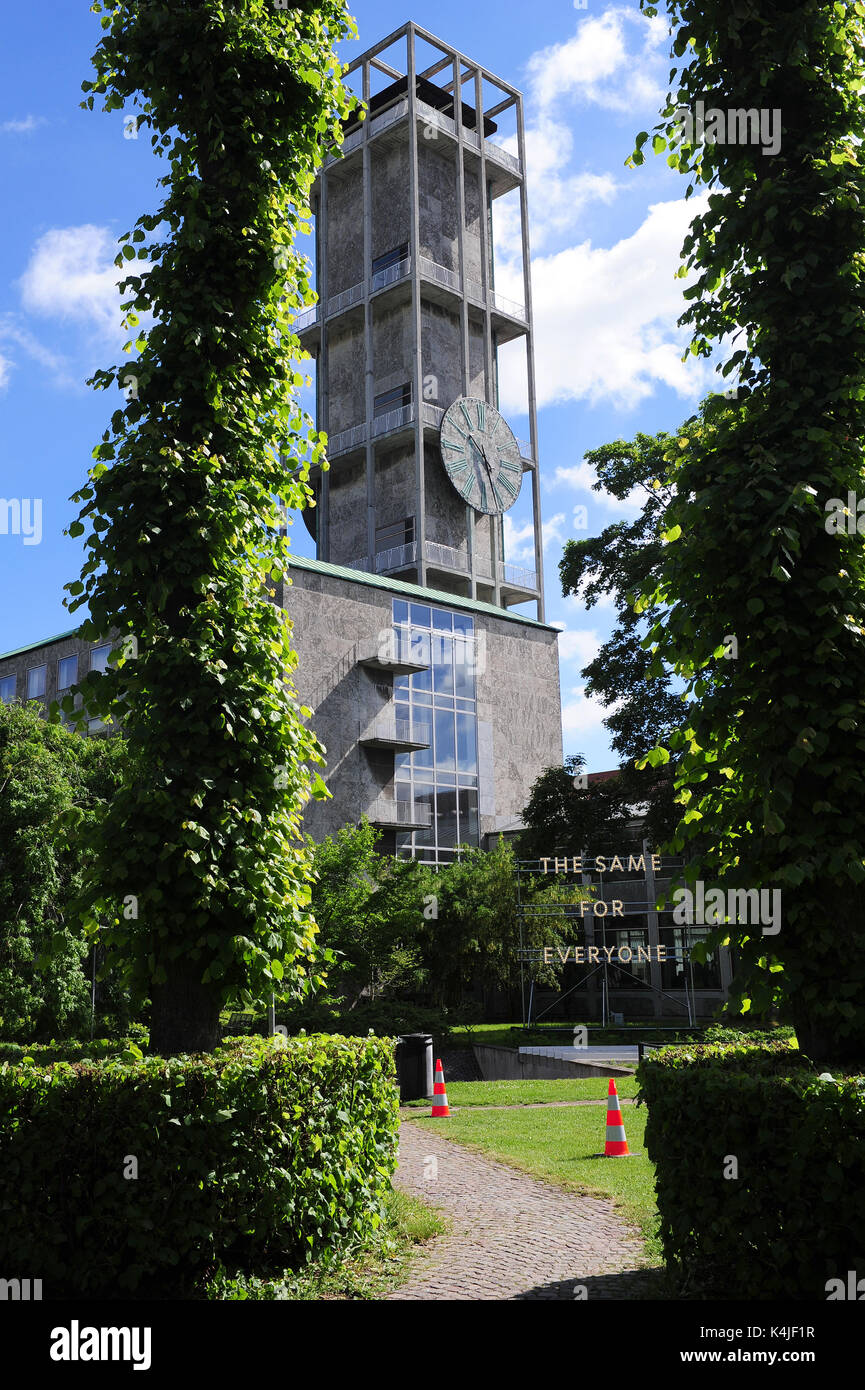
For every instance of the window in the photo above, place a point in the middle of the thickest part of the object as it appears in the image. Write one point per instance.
(7, 689)
(389, 537)
(67, 672)
(392, 257)
(36, 678)
(396, 399)
(99, 658)
(678, 971)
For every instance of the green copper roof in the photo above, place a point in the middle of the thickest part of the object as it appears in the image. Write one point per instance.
(414, 591)
(46, 642)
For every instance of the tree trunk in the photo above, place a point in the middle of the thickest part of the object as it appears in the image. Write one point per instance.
(185, 1013)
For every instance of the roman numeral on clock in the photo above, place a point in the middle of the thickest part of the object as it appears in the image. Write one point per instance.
(469, 487)
(507, 485)
(458, 448)
(469, 421)
(510, 467)
(482, 417)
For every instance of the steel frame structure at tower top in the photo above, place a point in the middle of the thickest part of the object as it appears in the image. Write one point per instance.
(463, 71)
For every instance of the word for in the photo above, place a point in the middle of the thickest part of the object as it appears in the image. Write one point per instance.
(590, 954)
(431, 908)
(75, 1343)
(21, 517)
(847, 520)
(736, 126)
(600, 907)
(853, 1290)
(636, 864)
(19, 1290)
(749, 906)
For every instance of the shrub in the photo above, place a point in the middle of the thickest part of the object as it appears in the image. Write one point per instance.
(794, 1215)
(265, 1150)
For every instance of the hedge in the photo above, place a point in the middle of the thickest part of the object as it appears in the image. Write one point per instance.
(268, 1151)
(794, 1218)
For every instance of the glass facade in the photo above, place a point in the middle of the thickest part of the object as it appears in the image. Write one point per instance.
(442, 780)
(7, 689)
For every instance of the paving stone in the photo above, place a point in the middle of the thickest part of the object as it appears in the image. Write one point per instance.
(514, 1236)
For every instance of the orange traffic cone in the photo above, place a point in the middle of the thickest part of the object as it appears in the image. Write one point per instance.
(440, 1096)
(616, 1145)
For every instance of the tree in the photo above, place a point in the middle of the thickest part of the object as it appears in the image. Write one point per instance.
(474, 938)
(621, 561)
(562, 817)
(777, 260)
(368, 909)
(186, 500)
(52, 784)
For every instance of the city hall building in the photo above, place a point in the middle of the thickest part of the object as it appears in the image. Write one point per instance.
(423, 650)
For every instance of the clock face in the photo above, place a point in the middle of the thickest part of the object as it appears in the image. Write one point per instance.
(481, 456)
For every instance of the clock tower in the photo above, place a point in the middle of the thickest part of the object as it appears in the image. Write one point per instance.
(411, 327)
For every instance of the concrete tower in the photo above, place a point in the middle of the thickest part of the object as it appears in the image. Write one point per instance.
(409, 321)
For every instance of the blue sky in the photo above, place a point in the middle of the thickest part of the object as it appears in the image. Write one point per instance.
(605, 242)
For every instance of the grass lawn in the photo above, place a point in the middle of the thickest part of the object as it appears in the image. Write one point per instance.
(367, 1272)
(527, 1092)
(557, 1145)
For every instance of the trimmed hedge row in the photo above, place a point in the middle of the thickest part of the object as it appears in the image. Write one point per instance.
(794, 1217)
(268, 1150)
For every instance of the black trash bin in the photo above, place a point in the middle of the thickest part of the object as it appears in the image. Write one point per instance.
(414, 1060)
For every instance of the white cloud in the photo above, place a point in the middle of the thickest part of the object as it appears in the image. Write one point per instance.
(6, 365)
(580, 646)
(71, 275)
(22, 127)
(615, 60)
(520, 540)
(583, 477)
(581, 716)
(558, 198)
(605, 319)
(54, 364)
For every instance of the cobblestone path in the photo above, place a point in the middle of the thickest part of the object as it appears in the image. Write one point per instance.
(514, 1236)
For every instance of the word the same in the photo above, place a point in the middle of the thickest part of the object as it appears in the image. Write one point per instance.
(599, 865)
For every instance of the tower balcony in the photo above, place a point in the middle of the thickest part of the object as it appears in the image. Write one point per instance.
(393, 422)
(397, 735)
(392, 651)
(400, 815)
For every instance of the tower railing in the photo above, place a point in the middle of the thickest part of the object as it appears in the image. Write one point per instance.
(346, 439)
(511, 307)
(344, 300)
(391, 275)
(393, 420)
(306, 319)
(446, 556)
(517, 576)
(439, 273)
